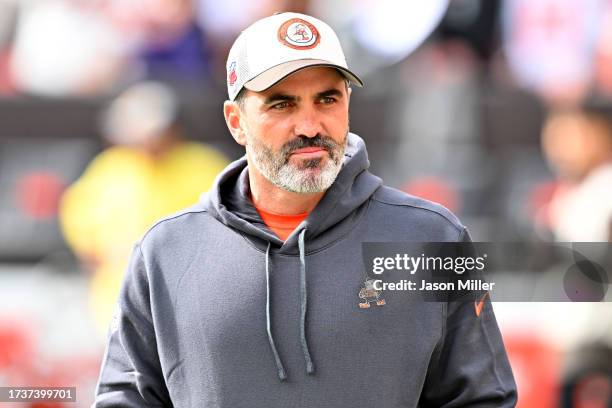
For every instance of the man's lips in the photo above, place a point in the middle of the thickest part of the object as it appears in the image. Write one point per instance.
(309, 151)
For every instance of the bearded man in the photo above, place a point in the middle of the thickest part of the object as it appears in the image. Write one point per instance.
(256, 296)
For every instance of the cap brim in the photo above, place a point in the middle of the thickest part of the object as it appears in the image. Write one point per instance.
(279, 72)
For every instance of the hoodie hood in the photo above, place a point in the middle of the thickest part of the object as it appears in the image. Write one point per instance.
(228, 201)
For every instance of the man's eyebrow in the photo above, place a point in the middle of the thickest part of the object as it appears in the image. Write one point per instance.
(279, 98)
(330, 92)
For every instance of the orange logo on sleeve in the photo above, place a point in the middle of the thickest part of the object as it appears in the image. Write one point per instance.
(480, 304)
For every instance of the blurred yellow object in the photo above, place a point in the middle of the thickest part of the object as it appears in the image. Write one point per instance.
(121, 194)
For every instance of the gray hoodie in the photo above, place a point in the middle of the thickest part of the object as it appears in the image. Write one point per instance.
(216, 311)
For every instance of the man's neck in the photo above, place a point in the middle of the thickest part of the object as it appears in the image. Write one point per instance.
(274, 199)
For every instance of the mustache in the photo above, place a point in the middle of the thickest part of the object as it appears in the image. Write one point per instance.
(320, 141)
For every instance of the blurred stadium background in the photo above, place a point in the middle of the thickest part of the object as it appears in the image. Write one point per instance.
(498, 109)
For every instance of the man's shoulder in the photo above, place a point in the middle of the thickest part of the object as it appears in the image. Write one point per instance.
(180, 223)
(416, 208)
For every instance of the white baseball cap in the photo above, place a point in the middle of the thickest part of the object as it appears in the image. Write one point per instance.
(274, 47)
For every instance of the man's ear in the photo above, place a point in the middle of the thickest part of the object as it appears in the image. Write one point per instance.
(233, 120)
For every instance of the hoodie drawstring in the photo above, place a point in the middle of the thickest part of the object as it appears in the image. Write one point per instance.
(282, 374)
(304, 304)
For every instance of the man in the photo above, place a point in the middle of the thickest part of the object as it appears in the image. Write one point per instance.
(252, 297)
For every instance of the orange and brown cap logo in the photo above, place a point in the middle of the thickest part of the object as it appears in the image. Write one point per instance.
(298, 34)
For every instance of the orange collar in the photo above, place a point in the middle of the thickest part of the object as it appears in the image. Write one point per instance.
(281, 225)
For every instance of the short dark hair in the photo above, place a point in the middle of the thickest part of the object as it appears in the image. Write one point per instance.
(239, 99)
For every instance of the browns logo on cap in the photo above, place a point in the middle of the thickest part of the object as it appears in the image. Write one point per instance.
(298, 34)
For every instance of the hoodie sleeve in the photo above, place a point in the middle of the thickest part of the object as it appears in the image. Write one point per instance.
(131, 374)
(469, 367)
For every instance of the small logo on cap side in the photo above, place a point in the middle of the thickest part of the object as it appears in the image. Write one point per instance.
(231, 74)
(298, 34)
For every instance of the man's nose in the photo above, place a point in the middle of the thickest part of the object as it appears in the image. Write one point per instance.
(308, 123)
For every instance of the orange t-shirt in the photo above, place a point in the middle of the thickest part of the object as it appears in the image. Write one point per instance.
(282, 225)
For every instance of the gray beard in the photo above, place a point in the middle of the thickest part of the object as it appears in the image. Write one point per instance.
(306, 177)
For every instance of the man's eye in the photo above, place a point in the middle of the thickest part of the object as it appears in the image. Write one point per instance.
(280, 105)
(326, 100)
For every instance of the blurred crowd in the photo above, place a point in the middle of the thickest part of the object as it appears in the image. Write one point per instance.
(501, 110)
(63, 48)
